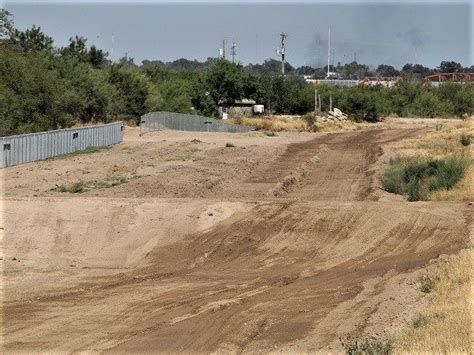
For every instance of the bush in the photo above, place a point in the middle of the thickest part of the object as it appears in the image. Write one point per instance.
(416, 190)
(420, 321)
(229, 145)
(392, 179)
(309, 118)
(371, 346)
(427, 104)
(76, 188)
(417, 177)
(81, 186)
(32, 96)
(427, 283)
(132, 88)
(465, 140)
(270, 134)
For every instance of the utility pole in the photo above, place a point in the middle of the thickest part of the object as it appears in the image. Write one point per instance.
(282, 51)
(329, 49)
(233, 51)
(315, 103)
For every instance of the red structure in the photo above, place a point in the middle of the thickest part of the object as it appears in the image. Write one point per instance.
(450, 76)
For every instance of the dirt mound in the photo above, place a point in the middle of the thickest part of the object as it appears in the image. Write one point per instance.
(268, 277)
(224, 266)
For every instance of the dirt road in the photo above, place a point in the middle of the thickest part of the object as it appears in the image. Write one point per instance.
(275, 245)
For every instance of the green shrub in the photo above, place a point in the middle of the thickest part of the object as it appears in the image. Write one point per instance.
(81, 186)
(427, 104)
(416, 190)
(417, 177)
(371, 346)
(309, 118)
(76, 188)
(392, 179)
(465, 140)
(420, 321)
(270, 134)
(427, 283)
(229, 145)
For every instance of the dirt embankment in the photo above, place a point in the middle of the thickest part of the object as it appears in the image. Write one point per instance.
(289, 248)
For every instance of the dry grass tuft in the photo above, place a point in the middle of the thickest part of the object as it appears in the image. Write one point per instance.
(340, 126)
(274, 124)
(297, 124)
(447, 325)
(439, 143)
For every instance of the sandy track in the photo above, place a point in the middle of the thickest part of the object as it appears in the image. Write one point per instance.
(310, 256)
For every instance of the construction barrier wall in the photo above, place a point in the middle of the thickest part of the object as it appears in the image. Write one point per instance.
(156, 121)
(42, 145)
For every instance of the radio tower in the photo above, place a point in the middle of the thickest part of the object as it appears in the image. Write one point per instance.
(329, 50)
(223, 48)
(282, 51)
(233, 51)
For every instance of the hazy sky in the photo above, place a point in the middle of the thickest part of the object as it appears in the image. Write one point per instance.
(373, 32)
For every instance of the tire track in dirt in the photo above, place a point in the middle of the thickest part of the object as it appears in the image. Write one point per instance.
(334, 167)
(288, 271)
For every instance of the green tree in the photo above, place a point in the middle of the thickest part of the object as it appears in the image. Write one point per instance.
(76, 49)
(457, 99)
(32, 95)
(97, 57)
(170, 95)
(132, 87)
(352, 71)
(387, 70)
(95, 98)
(127, 61)
(450, 67)
(224, 81)
(270, 67)
(7, 29)
(33, 40)
(175, 95)
(200, 98)
(416, 71)
(427, 104)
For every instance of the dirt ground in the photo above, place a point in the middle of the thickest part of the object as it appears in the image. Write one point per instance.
(278, 244)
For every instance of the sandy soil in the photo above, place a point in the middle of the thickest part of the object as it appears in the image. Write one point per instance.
(278, 244)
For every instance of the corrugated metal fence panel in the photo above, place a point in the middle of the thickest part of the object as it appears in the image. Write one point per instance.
(338, 82)
(155, 121)
(42, 145)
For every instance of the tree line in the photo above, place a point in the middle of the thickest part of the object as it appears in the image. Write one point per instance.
(43, 87)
